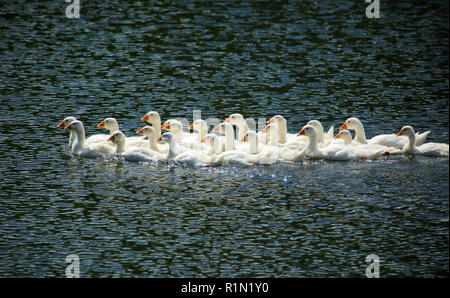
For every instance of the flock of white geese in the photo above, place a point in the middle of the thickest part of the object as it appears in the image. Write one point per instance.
(220, 146)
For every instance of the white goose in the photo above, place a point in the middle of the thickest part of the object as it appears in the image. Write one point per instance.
(97, 138)
(427, 149)
(66, 122)
(244, 157)
(239, 121)
(227, 130)
(283, 135)
(290, 151)
(81, 148)
(389, 140)
(131, 153)
(332, 151)
(365, 149)
(191, 157)
(201, 128)
(112, 125)
(323, 139)
(151, 134)
(154, 119)
(256, 155)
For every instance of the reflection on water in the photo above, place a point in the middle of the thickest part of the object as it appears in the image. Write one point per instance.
(303, 60)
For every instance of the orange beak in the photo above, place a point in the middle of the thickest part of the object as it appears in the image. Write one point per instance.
(338, 136)
(68, 126)
(61, 124)
(301, 132)
(159, 139)
(145, 118)
(244, 139)
(344, 126)
(400, 133)
(202, 140)
(101, 124)
(111, 138)
(269, 121)
(191, 127)
(140, 131)
(215, 129)
(227, 120)
(165, 127)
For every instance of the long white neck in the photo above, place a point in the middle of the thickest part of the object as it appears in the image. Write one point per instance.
(274, 137)
(120, 147)
(411, 141)
(72, 137)
(172, 148)
(282, 132)
(152, 142)
(319, 132)
(156, 123)
(242, 129)
(312, 145)
(229, 138)
(360, 134)
(79, 142)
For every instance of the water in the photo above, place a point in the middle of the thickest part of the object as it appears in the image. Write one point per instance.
(323, 60)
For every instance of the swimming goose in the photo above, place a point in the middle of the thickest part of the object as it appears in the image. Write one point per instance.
(227, 130)
(191, 157)
(154, 119)
(427, 149)
(80, 147)
(389, 140)
(66, 122)
(332, 151)
(112, 125)
(151, 134)
(132, 153)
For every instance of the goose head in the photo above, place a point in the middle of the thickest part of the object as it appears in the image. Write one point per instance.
(351, 123)
(117, 137)
(406, 131)
(110, 124)
(235, 119)
(172, 125)
(223, 128)
(198, 125)
(307, 130)
(66, 122)
(166, 137)
(270, 129)
(249, 136)
(344, 135)
(278, 119)
(316, 124)
(151, 117)
(74, 125)
(147, 131)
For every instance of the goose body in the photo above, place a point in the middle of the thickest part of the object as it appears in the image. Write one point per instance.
(389, 140)
(333, 151)
(427, 149)
(81, 148)
(133, 153)
(112, 125)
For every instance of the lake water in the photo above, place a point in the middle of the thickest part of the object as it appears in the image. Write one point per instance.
(305, 60)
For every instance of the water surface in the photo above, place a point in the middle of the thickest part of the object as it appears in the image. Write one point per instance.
(305, 60)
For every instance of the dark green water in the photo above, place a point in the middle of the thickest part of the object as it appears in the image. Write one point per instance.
(303, 59)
